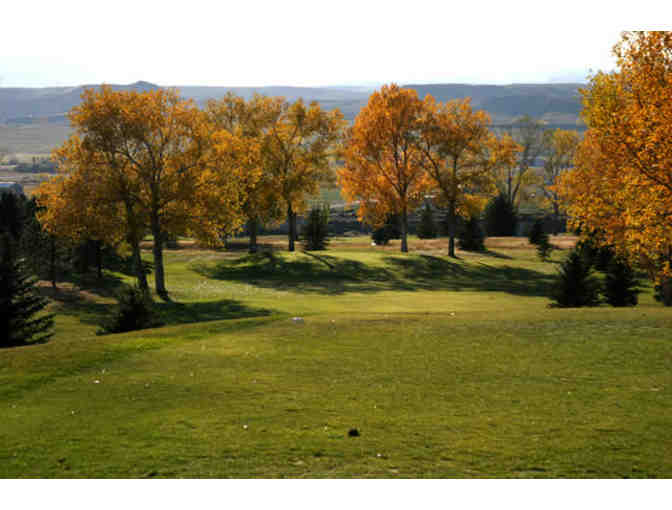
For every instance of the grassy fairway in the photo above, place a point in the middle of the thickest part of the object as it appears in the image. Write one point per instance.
(446, 368)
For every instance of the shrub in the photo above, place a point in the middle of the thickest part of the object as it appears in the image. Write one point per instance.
(594, 254)
(575, 285)
(170, 241)
(19, 301)
(471, 236)
(620, 284)
(316, 229)
(390, 230)
(426, 227)
(544, 247)
(536, 232)
(663, 292)
(134, 311)
(500, 217)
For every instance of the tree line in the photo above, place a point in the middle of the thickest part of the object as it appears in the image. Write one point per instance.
(402, 150)
(150, 162)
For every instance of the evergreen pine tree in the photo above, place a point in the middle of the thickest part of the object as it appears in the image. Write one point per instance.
(426, 226)
(46, 255)
(663, 292)
(500, 217)
(536, 232)
(620, 284)
(13, 214)
(594, 253)
(19, 300)
(575, 285)
(471, 236)
(390, 230)
(544, 246)
(316, 229)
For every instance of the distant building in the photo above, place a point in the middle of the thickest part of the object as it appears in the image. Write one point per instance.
(11, 187)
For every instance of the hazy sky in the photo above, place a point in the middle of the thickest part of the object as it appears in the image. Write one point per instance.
(310, 43)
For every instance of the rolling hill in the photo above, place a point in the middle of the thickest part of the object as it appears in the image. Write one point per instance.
(33, 119)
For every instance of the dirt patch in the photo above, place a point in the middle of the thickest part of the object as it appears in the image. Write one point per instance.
(513, 243)
(66, 292)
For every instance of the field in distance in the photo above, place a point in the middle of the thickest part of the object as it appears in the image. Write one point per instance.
(446, 368)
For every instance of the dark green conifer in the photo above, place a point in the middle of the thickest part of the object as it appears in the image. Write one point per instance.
(19, 301)
(620, 284)
(471, 237)
(316, 229)
(427, 227)
(500, 217)
(575, 285)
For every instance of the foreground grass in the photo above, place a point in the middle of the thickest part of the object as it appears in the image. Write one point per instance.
(446, 368)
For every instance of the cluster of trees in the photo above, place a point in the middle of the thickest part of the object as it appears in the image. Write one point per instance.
(402, 150)
(151, 162)
(577, 286)
(620, 189)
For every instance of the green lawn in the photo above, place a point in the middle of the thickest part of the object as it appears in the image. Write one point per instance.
(446, 368)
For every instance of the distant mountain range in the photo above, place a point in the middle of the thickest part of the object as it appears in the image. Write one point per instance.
(557, 104)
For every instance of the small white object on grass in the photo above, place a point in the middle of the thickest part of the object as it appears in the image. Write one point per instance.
(373, 243)
(245, 427)
(96, 381)
(297, 320)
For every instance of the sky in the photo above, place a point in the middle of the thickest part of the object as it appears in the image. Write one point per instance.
(313, 43)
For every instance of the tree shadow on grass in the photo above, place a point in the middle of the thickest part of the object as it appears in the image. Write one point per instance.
(325, 274)
(428, 272)
(74, 288)
(169, 313)
(495, 255)
(244, 246)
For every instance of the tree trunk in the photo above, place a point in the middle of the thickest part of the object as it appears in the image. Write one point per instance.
(157, 251)
(291, 219)
(52, 261)
(452, 213)
(452, 219)
(252, 226)
(99, 259)
(82, 252)
(134, 238)
(139, 268)
(556, 219)
(404, 231)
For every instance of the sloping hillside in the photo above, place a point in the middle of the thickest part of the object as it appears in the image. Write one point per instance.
(554, 103)
(33, 119)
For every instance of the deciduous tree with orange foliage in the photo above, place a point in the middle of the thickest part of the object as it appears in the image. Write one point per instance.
(621, 186)
(298, 147)
(562, 146)
(461, 155)
(252, 121)
(144, 162)
(384, 167)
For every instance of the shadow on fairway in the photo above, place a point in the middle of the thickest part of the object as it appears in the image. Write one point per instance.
(315, 273)
(325, 274)
(169, 313)
(428, 272)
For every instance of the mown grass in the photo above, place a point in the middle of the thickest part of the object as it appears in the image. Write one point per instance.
(447, 368)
